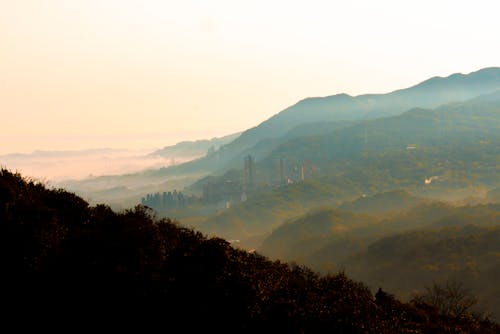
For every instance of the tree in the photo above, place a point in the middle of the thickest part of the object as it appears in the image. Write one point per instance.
(451, 299)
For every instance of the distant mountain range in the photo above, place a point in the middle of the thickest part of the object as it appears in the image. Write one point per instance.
(304, 117)
(460, 122)
(428, 94)
(438, 114)
(371, 183)
(449, 152)
(187, 149)
(63, 154)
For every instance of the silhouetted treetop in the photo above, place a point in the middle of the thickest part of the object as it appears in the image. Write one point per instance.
(76, 252)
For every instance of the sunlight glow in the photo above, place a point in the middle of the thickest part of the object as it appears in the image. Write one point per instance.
(196, 68)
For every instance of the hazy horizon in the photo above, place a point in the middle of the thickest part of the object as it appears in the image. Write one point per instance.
(336, 167)
(57, 166)
(144, 75)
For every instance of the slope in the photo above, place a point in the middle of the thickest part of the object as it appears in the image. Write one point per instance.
(73, 253)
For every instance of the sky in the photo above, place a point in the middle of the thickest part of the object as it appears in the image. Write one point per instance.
(145, 74)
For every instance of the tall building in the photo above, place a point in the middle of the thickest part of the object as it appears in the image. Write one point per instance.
(249, 170)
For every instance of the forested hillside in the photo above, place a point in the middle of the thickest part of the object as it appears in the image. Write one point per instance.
(307, 130)
(469, 254)
(429, 242)
(77, 251)
(449, 153)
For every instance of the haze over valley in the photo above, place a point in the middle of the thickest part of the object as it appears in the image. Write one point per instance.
(332, 183)
(259, 167)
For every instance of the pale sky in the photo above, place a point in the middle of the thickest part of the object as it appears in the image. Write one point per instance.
(83, 74)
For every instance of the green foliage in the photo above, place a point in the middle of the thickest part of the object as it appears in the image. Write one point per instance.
(457, 145)
(74, 253)
(382, 203)
(439, 241)
(298, 238)
(415, 259)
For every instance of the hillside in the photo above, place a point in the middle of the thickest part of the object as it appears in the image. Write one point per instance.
(428, 94)
(448, 153)
(430, 242)
(324, 237)
(338, 111)
(470, 122)
(458, 176)
(198, 148)
(298, 238)
(312, 238)
(382, 203)
(75, 252)
(469, 254)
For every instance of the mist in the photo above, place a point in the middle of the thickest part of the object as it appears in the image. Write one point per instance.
(56, 166)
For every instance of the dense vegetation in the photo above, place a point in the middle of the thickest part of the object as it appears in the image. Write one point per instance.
(429, 242)
(79, 252)
(450, 152)
(469, 254)
(301, 130)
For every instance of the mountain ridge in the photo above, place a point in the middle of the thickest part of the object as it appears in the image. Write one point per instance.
(366, 106)
(195, 147)
(269, 132)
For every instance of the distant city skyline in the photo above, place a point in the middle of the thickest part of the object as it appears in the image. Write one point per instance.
(146, 74)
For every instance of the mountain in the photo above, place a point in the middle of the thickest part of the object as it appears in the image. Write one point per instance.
(297, 238)
(343, 108)
(450, 152)
(324, 237)
(428, 94)
(382, 203)
(198, 148)
(316, 117)
(472, 121)
(468, 254)
(74, 253)
(403, 252)
(270, 207)
(122, 190)
(371, 156)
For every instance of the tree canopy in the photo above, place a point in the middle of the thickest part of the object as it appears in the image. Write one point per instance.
(79, 252)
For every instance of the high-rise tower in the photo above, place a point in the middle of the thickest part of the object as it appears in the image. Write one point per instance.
(249, 170)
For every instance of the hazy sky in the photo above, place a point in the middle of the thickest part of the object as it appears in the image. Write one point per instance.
(134, 74)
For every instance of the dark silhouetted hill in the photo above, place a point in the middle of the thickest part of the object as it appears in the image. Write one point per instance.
(75, 254)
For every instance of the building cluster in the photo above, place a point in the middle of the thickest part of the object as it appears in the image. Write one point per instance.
(228, 191)
(167, 200)
(223, 192)
(299, 172)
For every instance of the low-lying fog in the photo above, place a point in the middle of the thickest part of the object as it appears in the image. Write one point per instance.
(56, 166)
